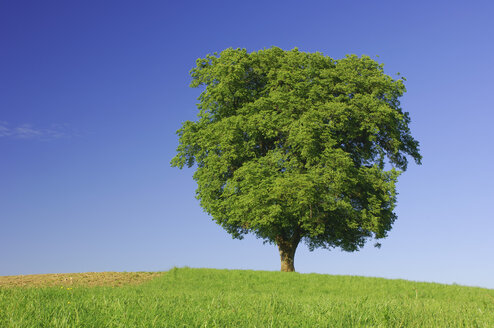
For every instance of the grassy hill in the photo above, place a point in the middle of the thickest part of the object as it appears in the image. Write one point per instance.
(235, 298)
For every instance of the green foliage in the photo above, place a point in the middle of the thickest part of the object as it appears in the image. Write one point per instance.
(297, 146)
(223, 298)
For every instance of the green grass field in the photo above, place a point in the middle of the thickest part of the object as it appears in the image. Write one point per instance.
(234, 298)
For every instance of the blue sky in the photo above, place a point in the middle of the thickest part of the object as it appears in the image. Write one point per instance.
(92, 92)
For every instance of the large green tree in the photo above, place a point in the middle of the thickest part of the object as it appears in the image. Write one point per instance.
(294, 146)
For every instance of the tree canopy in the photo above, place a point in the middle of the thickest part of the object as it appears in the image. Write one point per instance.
(294, 146)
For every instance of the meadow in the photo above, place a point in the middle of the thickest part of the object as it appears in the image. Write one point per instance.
(184, 297)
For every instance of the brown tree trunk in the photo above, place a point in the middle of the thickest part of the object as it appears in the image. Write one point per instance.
(287, 259)
(287, 250)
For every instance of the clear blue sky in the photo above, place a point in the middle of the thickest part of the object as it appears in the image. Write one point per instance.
(92, 92)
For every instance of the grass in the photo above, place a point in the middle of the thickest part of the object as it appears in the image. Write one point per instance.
(234, 298)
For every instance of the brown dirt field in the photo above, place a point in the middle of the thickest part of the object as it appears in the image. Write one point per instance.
(115, 279)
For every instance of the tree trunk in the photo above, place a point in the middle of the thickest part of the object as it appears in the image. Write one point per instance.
(287, 250)
(287, 259)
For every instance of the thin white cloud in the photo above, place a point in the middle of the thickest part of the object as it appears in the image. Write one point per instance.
(28, 131)
(4, 129)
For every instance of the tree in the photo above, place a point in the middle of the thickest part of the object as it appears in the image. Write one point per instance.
(294, 146)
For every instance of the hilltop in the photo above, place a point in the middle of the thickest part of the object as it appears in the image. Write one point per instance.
(240, 298)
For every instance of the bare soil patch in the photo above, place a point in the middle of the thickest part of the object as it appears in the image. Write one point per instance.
(78, 279)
